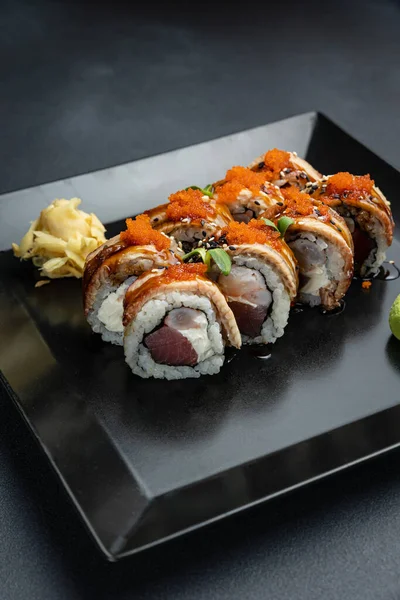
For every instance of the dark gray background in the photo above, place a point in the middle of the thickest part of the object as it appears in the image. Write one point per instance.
(85, 86)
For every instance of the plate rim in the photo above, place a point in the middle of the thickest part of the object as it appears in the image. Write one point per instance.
(115, 552)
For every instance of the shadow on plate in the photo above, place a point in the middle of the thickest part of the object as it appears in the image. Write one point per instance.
(393, 353)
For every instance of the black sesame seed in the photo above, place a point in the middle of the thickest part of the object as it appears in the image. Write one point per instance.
(204, 233)
(232, 248)
(256, 202)
(318, 212)
(339, 229)
(261, 165)
(280, 203)
(287, 171)
(331, 222)
(155, 219)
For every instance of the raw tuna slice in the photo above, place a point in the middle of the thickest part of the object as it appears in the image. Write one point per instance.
(168, 346)
(249, 318)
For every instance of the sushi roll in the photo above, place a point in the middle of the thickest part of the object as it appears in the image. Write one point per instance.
(177, 323)
(367, 214)
(322, 245)
(246, 193)
(285, 168)
(189, 217)
(262, 281)
(111, 268)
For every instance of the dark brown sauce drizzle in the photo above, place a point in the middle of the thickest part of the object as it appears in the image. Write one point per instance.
(264, 356)
(335, 311)
(298, 308)
(230, 354)
(387, 272)
(261, 352)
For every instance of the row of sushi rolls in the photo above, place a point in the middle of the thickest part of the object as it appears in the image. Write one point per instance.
(223, 265)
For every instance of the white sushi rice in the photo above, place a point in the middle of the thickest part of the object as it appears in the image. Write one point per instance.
(106, 315)
(151, 316)
(274, 325)
(377, 256)
(320, 276)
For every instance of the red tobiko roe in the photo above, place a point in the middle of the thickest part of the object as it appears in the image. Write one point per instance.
(139, 232)
(184, 272)
(189, 204)
(254, 232)
(345, 182)
(274, 162)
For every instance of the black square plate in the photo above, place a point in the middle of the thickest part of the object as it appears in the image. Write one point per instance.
(147, 460)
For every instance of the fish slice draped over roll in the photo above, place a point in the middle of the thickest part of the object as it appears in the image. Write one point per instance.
(322, 245)
(246, 193)
(177, 323)
(367, 214)
(262, 281)
(111, 268)
(189, 217)
(285, 168)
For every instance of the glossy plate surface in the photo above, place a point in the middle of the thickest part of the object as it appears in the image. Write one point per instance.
(146, 460)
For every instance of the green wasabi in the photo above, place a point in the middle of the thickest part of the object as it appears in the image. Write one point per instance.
(394, 318)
